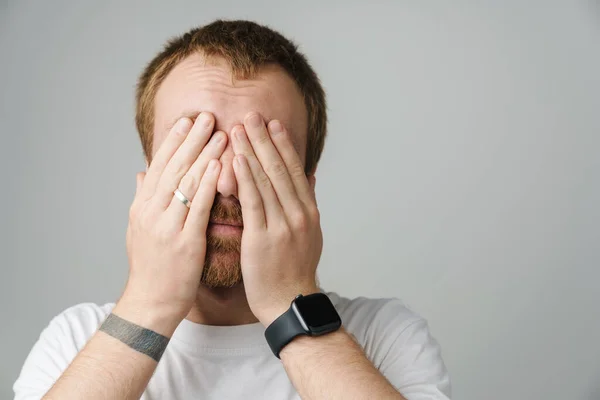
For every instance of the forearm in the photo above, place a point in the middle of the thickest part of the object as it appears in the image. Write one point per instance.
(334, 366)
(107, 367)
(104, 369)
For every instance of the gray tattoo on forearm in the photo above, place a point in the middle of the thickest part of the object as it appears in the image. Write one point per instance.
(140, 339)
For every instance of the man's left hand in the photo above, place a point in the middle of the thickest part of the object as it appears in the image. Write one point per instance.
(282, 239)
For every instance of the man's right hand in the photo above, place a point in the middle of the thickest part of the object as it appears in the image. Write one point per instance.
(166, 246)
(166, 240)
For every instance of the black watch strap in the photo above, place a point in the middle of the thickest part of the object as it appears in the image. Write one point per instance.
(283, 330)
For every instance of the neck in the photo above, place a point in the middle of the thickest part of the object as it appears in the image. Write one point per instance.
(222, 307)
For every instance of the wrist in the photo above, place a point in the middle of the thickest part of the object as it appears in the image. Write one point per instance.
(161, 319)
(310, 315)
(269, 314)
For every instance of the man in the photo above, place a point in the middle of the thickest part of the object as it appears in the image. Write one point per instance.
(223, 244)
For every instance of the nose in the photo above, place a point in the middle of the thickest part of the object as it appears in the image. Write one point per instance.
(227, 184)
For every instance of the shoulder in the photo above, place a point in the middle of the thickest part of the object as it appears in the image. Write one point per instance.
(398, 342)
(58, 344)
(78, 323)
(371, 318)
(70, 330)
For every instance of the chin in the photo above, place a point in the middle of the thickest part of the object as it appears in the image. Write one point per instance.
(222, 269)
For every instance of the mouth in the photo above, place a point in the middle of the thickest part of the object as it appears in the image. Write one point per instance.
(226, 223)
(224, 228)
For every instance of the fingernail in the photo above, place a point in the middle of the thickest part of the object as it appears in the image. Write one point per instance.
(217, 138)
(254, 120)
(182, 126)
(204, 119)
(276, 127)
(239, 133)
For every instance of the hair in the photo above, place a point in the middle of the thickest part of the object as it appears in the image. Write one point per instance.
(246, 46)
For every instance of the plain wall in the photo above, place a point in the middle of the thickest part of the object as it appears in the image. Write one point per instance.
(461, 172)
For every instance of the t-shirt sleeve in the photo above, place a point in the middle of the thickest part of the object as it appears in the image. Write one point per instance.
(57, 346)
(411, 358)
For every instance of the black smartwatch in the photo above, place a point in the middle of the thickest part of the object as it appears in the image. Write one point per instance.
(311, 315)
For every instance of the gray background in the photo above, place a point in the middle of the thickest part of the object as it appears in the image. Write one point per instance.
(460, 174)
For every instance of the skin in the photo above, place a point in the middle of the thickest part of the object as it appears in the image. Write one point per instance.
(197, 85)
(260, 165)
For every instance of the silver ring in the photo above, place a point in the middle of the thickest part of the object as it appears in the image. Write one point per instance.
(182, 197)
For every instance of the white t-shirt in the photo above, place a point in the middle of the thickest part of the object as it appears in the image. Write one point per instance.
(235, 362)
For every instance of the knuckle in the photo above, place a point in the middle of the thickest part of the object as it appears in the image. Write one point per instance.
(300, 221)
(178, 171)
(297, 171)
(276, 169)
(263, 180)
(284, 233)
(138, 209)
(171, 178)
(314, 214)
(188, 185)
(262, 139)
(133, 212)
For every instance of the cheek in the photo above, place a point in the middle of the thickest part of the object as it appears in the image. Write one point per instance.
(299, 144)
(302, 154)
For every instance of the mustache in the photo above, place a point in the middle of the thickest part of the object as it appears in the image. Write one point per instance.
(227, 211)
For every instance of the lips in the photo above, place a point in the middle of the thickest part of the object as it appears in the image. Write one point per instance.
(229, 223)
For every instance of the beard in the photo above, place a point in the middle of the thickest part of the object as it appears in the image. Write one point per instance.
(222, 266)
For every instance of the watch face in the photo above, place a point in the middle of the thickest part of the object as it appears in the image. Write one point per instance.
(318, 313)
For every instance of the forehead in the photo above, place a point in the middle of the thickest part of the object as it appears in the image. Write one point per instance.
(198, 84)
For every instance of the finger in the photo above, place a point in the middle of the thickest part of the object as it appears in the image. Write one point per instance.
(174, 139)
(183, 159)
(190, 182)
(139, 182)
(271, 162)
(291, 158)
(253, 211)
(213, 150)
(199, 213)
(271, 205)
